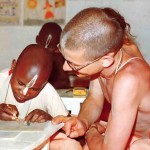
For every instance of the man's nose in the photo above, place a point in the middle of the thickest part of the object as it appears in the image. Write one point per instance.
(66, 67)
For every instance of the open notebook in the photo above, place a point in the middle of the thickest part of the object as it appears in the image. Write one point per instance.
(19, 136)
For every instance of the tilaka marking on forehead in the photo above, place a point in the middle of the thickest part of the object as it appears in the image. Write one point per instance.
(49, 38)
(30, 84)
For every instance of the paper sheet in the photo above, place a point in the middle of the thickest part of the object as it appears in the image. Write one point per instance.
(21, 126)
(18, 136)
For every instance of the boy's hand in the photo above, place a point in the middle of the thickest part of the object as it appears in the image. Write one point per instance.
(8, 112)
(37, 115)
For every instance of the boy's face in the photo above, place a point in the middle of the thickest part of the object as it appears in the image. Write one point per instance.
(20, 80)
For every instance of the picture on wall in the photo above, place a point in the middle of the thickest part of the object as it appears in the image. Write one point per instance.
(9, 12)
(37, 12)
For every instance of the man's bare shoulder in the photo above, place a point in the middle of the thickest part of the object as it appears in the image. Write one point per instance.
(133, 78)
(137, 68)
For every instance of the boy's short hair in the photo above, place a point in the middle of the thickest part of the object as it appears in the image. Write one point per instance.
(97, 31)
(49, 28)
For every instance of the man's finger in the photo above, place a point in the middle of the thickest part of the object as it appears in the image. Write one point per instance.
(69, 125)
(77, 133)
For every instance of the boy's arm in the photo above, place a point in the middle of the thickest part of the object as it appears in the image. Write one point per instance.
(53, 102)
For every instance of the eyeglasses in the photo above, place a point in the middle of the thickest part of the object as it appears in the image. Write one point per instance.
(77, 67)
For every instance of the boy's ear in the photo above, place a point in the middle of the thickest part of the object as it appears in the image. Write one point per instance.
(107, 61)
(13, 65)
(37, 39)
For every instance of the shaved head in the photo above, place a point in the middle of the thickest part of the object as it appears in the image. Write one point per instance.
(31, 71)
(49, 29)
(97, 31)
(35, 59)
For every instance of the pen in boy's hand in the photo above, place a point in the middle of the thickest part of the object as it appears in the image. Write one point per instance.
(27, 123)
(15, 117)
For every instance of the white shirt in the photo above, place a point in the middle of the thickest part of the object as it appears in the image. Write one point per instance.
(47, 100)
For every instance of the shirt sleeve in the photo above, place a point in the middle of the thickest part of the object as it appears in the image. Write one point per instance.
(52, 101)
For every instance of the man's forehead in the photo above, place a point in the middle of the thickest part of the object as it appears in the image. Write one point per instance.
(74, 56)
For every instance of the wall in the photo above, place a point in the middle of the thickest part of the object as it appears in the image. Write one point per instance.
(14, 39)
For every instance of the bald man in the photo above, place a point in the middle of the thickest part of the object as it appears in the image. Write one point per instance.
(25, 91)
(97, 43)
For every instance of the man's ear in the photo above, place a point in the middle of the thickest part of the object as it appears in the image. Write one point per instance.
(107, 61)
(13, 65)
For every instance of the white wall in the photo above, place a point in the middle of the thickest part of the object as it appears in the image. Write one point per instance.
(137, 14)
(14, 39)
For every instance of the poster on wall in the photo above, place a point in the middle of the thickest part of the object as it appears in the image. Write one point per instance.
(9, 12)
(37, 12)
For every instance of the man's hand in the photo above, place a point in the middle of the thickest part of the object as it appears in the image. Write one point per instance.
(37, 115)
(94, 139)
(100, 128)
(8, 112)
(73, 127)
(94, 136)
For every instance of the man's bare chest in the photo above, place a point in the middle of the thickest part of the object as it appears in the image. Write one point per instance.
(107, 88)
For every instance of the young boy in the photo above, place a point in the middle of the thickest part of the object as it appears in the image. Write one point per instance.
(49, 37)
(25, 91)
(97, 43)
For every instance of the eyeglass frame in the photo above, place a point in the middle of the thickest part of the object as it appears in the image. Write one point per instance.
(80, 66)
